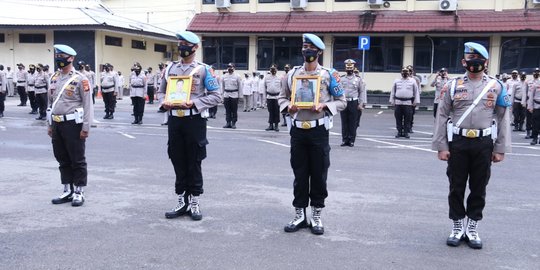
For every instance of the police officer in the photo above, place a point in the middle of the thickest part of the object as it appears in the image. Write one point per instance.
(3, 90)
(247, 92)
(157, 80)
(150, 81)
(533, 104)
(286, 68)
(137, 89)
(10, 85)
(91, 75)
(310, 149)
(355, 94)
(519, 93)
(232, 88)
(440, 80)
(109, 90)
(70, 102)
(41, 87)
(31, 92)
(404, 96)
(272, 88)
(479, 136)
(22, 79)
(187, 125)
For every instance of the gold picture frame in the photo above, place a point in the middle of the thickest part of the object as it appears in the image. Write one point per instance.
(305, 91)
(177, 96)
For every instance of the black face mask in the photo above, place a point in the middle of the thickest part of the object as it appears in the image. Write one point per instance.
(32, 70)
(405, 74)
(107, 69)
(310, 55)
(287, 70)
(38, 70)
(61, 62)
(230, 70)
(185, 50)
(514, 77)
(476, 65)
(273, 71)
(349, 72)
(536, 75)
(137, 72)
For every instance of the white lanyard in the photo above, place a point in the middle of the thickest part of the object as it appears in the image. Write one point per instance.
(475, 102)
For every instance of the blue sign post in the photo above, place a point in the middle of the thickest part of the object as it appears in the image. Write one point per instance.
(364, 43)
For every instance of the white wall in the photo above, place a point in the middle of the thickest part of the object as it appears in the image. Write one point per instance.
(12, 52)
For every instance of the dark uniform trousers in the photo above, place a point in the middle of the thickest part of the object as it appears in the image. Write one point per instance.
(41, 103)
(528, 119)
(231, 109)
(310, 160)
(535, 123)
(212, 111)
(403, 114)
(94, 93)
(187, 149)
(138, 106)
(32, 99)
(519, 114)
(2, 99)
(110, 101)
(470, 159)
(273, 111)
(22, 94)
(68, 148)
(349, 121)
(150, 92)
(435, 107)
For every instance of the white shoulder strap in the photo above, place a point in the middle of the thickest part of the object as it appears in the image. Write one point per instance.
(475, 102)
(62, 91)
(453, 89)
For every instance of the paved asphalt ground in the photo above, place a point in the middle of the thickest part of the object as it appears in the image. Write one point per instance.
(387, 206)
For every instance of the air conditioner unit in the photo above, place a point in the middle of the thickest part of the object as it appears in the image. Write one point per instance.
(375, 2)
(223, 3)
(299, 4)
(447, 5)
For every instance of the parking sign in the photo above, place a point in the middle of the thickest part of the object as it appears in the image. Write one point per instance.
(363, 43)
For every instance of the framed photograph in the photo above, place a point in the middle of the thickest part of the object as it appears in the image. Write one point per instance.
(178, 89)
(305, 91)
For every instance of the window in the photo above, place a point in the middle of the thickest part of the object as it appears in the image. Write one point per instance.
(219, 51)
(138, 44)
(521, 53)
(31, 38)
(448, 53)
(279, 51)
(160, 48)
(113, 41)
(2, 38)
(286, 1)
(205, 2)
(385, 53)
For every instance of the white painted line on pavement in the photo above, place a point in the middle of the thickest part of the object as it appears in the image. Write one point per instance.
(526, 147)
(276, 143)
(2, 128)
(423, 132)
(397, 144)
(126, 135)
(523, 155)
(380, 112)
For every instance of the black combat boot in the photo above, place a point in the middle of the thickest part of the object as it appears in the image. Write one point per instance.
(106, 116)
(140, 120)
(534, 141)
(457, 234)
(135, 120)
(111, 116)
(270, 127)
(228, 125)
(406, 135)
(181, 208)
(528, 136)
(521, 127)
(316, 222)
(233, 125)
(299, 221)
(276, 127)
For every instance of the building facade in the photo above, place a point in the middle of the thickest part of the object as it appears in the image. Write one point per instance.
(428, 34)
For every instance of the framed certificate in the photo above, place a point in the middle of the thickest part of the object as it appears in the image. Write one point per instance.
(305, 91)
(178, 89)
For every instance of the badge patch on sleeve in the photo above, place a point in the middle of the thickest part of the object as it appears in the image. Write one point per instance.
(335, 74)
(86, 85)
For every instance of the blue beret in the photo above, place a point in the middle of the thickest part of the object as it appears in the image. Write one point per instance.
(315, 40)
(189, 37)
(61, 48)
(475, 48)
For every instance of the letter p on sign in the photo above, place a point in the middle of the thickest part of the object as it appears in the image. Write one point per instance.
(363, 43)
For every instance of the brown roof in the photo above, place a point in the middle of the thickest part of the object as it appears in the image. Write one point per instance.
(472, 21)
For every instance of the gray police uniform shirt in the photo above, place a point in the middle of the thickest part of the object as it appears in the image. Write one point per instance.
(31, 83)
(77, 94)
(511, 86)
(204, 88)
(520, 92)
(22, 77)
(438, 83)
(354, 88)
(151, 79)
(3, 81)
(92, 78)
(41, 82)
(231, 85)
(493, 106)
(534, 94)
(137, 85)
(405, 92)
(109, 82)
(272, 86)
(330, 93)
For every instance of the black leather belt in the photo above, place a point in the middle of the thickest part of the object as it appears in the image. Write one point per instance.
(21, 81)
(405, 99)
(137, 86)
(30, 85)
(231, 90)
(273, 94)
(40, 87)
(537, 102)
(107, 87)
